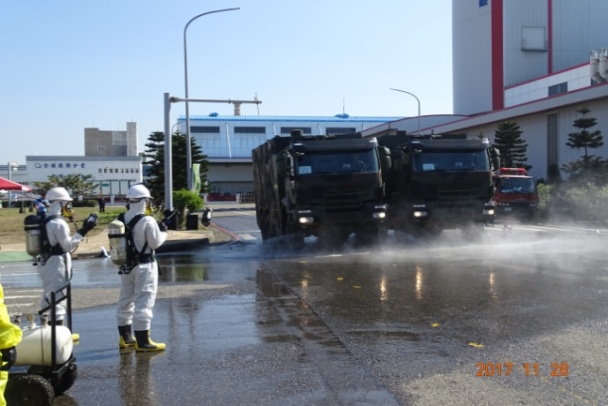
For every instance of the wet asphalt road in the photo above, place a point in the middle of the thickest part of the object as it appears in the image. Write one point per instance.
(404, 325)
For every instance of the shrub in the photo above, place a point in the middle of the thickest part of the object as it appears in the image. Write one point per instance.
(184, 199)
(84, 203)
(581, 202)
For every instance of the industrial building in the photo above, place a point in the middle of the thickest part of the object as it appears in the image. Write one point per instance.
(533, 62)
(527, 62)
(228, 140)
(111, 158)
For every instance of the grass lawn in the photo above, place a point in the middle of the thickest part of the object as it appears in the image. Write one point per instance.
(12, 229)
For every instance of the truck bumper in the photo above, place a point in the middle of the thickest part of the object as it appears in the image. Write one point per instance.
(370, 215)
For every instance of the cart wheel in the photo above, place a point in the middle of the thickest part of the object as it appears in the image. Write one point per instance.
(29, 390)
(67, 379)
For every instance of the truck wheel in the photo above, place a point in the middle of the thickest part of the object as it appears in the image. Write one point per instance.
(67, 379)
(29, 390)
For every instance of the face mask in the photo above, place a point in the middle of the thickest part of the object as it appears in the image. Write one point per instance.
(148, 211)
(66, 209)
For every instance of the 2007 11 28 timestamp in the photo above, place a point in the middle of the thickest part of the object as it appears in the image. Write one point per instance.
(555, 369)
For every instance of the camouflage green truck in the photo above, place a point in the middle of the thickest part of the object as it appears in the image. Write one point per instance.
(323, 186)
(437, 184)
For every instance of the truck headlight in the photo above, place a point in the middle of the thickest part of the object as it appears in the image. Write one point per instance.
(419, 210)
(379, 211)
(306, 220)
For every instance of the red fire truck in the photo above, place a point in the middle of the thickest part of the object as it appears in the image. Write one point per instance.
(516, 194)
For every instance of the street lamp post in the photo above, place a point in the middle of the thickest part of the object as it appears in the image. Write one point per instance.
(12, 166)
(418, 100)
(188, 148)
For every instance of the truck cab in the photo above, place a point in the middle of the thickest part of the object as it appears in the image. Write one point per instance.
(516, 194)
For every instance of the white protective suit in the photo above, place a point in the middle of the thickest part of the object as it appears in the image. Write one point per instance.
(57, 270)
(138, 291)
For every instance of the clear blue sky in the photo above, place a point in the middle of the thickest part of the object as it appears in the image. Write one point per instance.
(71, 64)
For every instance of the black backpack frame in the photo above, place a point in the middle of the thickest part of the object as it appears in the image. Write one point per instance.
(133, 257)
(46, 250)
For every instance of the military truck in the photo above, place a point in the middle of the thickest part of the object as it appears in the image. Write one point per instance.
(323, 186)
(437, 184)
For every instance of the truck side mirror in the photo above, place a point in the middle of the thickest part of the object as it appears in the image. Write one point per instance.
(402, 155)
(386, 162)
(495, 157)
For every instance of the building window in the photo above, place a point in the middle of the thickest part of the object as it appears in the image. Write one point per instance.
(559, 88)
(205, 129)
(340, 130)
(288, 130)
(483, 3)
(533, 39)
(250, 130)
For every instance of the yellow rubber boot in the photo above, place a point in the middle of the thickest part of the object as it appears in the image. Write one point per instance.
(144, 344)
(126, 339)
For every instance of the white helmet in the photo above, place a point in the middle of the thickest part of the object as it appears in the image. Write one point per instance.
(58, 193)
(137, 192)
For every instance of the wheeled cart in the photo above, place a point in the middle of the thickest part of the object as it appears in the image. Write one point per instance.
(45, 366)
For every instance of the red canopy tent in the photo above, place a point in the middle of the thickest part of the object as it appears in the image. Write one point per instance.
(6, 184)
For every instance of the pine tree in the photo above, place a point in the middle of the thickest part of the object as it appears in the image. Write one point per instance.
(154, 157)
(588, 166)
(512, 148)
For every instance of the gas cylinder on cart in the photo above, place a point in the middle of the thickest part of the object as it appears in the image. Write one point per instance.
(118, 242)
(36, 345)
(32, 225)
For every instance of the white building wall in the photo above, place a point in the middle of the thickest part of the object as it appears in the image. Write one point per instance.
(521, 19)
(535, 132)
(132, 140)
(578, 27)
(577, 78)
(227, 143)
(113, 176)
(471, 57)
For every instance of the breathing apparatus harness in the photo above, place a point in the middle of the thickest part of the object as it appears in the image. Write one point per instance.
(46, 249)
(134, 258)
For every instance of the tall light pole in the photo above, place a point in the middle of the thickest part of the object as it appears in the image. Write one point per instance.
(12, 166)
(418, 100)
(188, 148)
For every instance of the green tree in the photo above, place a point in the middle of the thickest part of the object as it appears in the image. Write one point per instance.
(590, 167)
(154, 157)
(510, 145)
(76, 185)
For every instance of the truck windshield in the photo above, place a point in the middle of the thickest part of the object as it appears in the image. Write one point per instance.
(516, 185)
(342, 162)
(475, 160)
